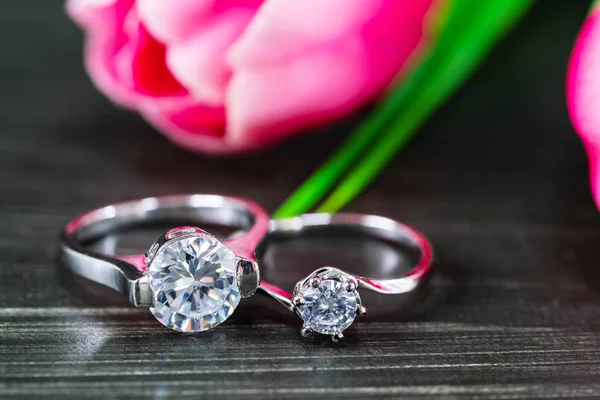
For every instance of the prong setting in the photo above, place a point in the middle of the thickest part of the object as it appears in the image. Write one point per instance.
(307, 332)
(361, 311)
(151, 253)
(336, 337)
(298, 301)
(141, 293)
(248, 277)
(350, 285)
(315, 281)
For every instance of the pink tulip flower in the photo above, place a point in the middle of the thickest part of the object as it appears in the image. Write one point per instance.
(583, 93)
(234, 75)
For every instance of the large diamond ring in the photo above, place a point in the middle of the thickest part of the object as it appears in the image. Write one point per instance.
(189, 279)
(328, 300)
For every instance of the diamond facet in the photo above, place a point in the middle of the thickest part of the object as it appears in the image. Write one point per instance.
(327, 308)
(194, 283)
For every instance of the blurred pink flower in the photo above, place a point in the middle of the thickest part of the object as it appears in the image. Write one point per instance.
(233, 75)
(583, 93)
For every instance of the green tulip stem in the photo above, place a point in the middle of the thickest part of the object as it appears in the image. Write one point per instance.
(468, 30)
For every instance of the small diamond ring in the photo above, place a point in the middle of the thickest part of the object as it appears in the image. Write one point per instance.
(189, 279)
(327, 300)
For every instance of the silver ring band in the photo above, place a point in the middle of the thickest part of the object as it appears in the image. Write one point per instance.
(336, 287)
(231, 266)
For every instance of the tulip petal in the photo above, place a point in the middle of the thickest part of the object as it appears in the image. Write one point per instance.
(199, 62)
(276, 99)
(105, 38)
(170, 21)
(288, 28)
(193, 126)
(198, 35)
(90, 12)
(175, 21)
(317, 68)
(150, 73)
(583, 93)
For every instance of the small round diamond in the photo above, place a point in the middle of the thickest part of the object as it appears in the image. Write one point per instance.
(329, 307)
(194, 282)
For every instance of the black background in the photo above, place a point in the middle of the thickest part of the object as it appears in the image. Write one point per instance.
(497, 180)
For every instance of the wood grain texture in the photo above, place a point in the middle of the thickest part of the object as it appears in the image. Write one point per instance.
(497, 180)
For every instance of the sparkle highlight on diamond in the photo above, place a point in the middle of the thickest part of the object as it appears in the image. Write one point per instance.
(194, 283)
(328, 307)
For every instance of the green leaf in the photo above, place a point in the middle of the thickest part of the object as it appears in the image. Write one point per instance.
(452, 65)
(322, 180)
(467, 30)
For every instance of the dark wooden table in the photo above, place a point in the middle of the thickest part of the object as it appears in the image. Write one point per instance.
(497, 179)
